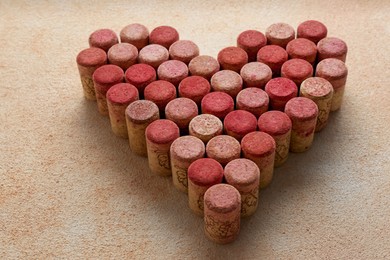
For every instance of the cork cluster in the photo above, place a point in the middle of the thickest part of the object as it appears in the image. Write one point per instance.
(217, 126)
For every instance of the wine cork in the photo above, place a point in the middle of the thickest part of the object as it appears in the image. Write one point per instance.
(260, 148)
(172, 71)
(303, 113)
(274, 56)
(140, 75)
(238, 123)
(253, 100)
(123, 55)
(332, 47)
(278, 125)
(139, 115)
(218, 104)
(223, 149)
(160, 134)
(297, 70)
(204, 66)
(302, 48)
(195, 88)
(103, 39)
(312, 30)
(222, 213)
(280, 34)
(232, 58)
(202, 174)
(183, 50)
(153, 55)
(88, 60)
(181, 111)
(164, 35)
(227, 81)
(321, 92)
(334, 71)
(119, 97)
(160, 92)
(205, 127)
(251, 41)
(280, 90)
(255, 75)
(135, 34)
(184, 151)
(104, 78)
(244, 175)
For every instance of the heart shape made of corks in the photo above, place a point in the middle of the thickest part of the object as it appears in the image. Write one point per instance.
(218, 126)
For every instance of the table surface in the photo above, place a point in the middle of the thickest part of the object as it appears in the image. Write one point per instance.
(71, 189)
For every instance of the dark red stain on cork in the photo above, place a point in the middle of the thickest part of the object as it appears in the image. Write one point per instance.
(103, 38)
(205, 172)
(312, 30)
(301, 109)
(297, 70)
(274, 123)
(240, 122)
(164, 35)
(107, 76)
(232, 58)
(91, 57)
(162, 131)
(195, 88)
(302, 48)
(218, 104)
(122, 93)
(274, 56)
(140, 75)
(258, 144)
(251, 41)
(280, 90)
(160, 92)
(172, 71)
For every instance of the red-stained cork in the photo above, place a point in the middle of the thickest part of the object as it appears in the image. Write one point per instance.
(244, 175)
(172, 71)
(253, 100)
(227, 81)
(222, 213)
(195, 88)
(104, 78)
(218, 104)
(255, 75)
(204, 66)
(153, 55)
(162, 131)
(301, 109)
(251, 41)
(223, 148)
(135, 34)
(140, 75)
(312, 30)
(280, 90)
(274, 56)
(280, 34)
(302, 48)
(181, 111)
(297, 70)
(160, 92)
(103, 39)
(238, 123)
(88, 60)
(183, 50)
(119, 97)
(205, 127)
(123, 55)
(232, 58)
(332, 47)
(164, 35)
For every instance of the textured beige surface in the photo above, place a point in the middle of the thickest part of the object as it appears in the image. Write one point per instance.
(69, 188)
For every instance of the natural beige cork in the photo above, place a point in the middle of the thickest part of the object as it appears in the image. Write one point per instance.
(205, 127)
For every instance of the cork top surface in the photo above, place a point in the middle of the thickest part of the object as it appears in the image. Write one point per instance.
(142, 111)
(301, 108)
(183, 50)
(205, 172)
(181, 109)
(297, 69)
(103, 38)
(253, 97)
(172, 69)
(217, 103)
(91, 57)
(274, 123)
(160, 90)
(332, 46)
(258, 144)
(223, 148)
(194, 86)
(272, 54)
(256, 71)
(331, 69)
(301, 47)
(240, 122)
(187, 148)
(108, 74)
(162, 131)
(206, 124)
(134, 31)
(281, 88)
(122, 93)
(241, 172)
(204, 66)
(140, 73)
(222, 198)
(153, 53)
(316, 87)
(164, 35)
(123, 52)
(232, 55)
(282, 31)
(226, 80)
(251, 38)
(312, 30)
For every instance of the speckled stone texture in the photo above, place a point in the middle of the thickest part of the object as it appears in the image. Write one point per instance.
(70, 189)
